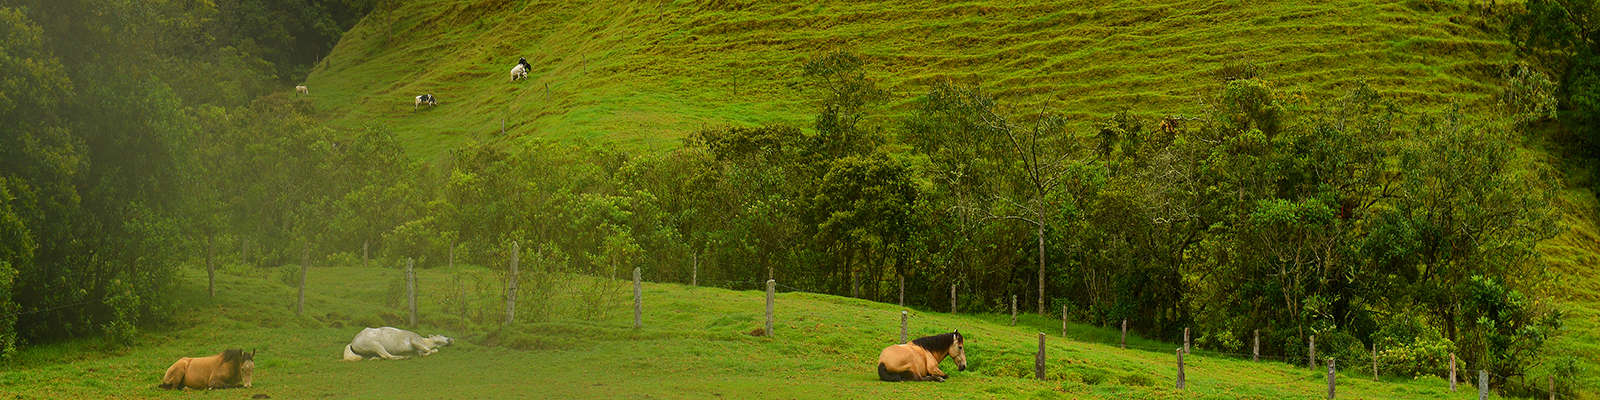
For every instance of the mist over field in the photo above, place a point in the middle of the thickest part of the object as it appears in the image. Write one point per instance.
(741, 199)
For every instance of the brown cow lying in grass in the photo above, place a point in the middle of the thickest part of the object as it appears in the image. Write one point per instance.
(232, 368)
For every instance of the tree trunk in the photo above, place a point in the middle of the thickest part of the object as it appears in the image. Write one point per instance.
(849, 269)
(1041, 268)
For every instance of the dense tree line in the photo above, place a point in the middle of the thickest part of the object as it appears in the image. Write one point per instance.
(108, 108)
(1352, 218)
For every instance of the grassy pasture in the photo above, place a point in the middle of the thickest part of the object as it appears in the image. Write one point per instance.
(695, 344)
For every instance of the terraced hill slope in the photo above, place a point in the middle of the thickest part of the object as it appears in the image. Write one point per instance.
(643, 75)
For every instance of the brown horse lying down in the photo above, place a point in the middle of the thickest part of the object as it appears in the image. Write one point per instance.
(231, 369)
(919, 360)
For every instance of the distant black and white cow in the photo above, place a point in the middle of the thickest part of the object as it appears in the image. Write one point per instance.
(425, 99)
(520, 71)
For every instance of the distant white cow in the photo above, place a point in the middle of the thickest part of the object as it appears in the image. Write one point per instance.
(518, 72)
(387, 342)
(521, 70)
(424, 99)
(302, 89)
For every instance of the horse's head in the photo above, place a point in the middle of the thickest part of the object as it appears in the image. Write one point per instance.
(440, 340)
(958, 351)
(247, 369)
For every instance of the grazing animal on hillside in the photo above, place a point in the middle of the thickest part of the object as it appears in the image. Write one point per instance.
(233, 368)
(302, 89)
(919, 360)
(424, 99)
(387, 342)
(520, 71)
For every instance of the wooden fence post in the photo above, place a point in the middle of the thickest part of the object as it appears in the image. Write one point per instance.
(770, 285)
(903, 316)
(1311, 355)
(1186, 340)
(1255, 346)
(211, 270)
(1330, 378)
(1180, 368)
(1124, 341)
(638, 300)
(694, 272)
(364, 244)
(452, 262)
(1013, 310)
(411, 288)
(1550, 381)
(1375, 360)
(511, 284)
(305, 263)
(1452, 372)
(1063, 320)
(1483, 384)
(1038, 360)
(952, 298)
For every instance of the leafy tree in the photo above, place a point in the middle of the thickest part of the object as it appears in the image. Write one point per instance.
(863, 205)
(1564, 37)
(1034, 161)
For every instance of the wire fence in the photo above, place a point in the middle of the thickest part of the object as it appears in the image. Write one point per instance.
(56, 307)
(1355, 367)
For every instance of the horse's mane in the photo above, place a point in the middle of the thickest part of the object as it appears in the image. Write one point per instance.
(937, 342)
(231, 359)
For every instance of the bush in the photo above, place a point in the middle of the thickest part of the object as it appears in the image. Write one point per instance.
(1341, 346)
(124, 305)
(8, 312)
(1409, 347)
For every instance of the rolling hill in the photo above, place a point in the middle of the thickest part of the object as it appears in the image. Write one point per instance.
(640, 75)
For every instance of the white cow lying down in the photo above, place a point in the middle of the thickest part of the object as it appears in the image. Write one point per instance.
(386, 342)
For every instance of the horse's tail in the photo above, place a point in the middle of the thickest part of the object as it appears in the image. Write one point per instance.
(884, 374)
(350, 354)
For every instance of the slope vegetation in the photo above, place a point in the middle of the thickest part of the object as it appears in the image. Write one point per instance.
(644, 75)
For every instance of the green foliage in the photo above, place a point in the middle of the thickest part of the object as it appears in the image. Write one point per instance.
(1562, 37)
(1530, 95)
(1509, 330)
(1409, 345)
(1582, 85)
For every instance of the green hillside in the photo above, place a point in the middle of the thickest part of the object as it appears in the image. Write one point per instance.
(646, 75)
(695, 344)
(643, 76)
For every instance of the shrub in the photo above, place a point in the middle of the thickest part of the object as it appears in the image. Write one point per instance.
(1409, 347)
(1341, 346)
